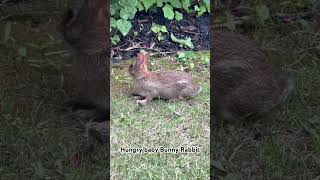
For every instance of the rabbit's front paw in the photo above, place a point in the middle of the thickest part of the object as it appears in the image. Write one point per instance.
(136, 98)
(141, 102)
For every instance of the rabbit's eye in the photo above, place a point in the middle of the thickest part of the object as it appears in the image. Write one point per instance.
(131, 66)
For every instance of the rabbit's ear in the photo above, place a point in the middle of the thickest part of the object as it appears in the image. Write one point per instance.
(69, 16)
(92, 11)
(146, 58)
(94, 6)
(98, 8)
(140, 59)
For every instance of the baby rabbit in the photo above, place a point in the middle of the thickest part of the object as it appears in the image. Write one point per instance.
(168, 85)
(244, 82)
(85, 32)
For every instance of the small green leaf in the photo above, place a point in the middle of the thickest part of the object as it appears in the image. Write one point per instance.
(131, 3)
(262, 13)
(124, 26)
(160, 2)
(205, 60)
(184, 42)
(207, 2)
(158, 29)
(202, 9)
(115, 39)
(179, 16)
(168, 11)
(22, 51)
(176, 4)
(191, 65)
(181, 55)
(196, 8)
(163, 29)
(160, 37)
(112, 11)
(186, 5)
(155, 28)
(190, 55)
(140, 6)
(148, 3)
(128, 12)
(113, 22)
(115, 8)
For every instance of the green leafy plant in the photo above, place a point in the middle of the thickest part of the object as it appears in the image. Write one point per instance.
(190, 59)
(183, 42)
(158, 29)
(200, 10)
(115, 39)
(168, 11)
(186, 58)
(122, 11)
(124, 26)
(205, 60)
(179, 16)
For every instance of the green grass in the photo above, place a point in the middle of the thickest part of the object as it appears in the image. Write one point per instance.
(38, 134)
(159, 123)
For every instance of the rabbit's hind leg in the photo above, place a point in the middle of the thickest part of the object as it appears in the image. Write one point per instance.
(135, 98)
(190, 92)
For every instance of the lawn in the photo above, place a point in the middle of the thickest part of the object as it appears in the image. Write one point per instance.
(159, 123)
(38, 134)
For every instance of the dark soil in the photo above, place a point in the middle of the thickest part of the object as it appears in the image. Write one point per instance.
(197, 28)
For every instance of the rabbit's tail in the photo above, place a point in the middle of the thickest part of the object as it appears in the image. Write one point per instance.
(199, 89)
(288, 90)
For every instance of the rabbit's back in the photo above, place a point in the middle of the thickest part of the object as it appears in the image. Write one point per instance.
(168, 84)
(227, 46)
(169, 77)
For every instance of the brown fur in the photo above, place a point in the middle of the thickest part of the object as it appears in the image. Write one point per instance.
(167, 85)
(244, 82)
(86, 33)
